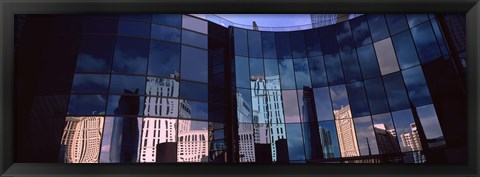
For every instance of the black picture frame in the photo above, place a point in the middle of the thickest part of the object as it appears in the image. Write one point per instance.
(10, 7)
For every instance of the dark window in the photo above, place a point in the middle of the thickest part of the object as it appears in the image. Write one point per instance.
(286, 73)
(350, 65)
(254, 44)
(302, 74)
(296, 150)
(439, 36)
(396, 23)
(282, 39)
(194, 39)
(317, 71)
(240, 41)
(125, 105)
(298, 44)
(328, 39)
(87, 104)
(120, 84)
(360, 31)
(268, 43)
(405, 49)
(217, 31)
(386, 56)
(242, 78)
(426, 43)
(194, 64)
(165, 33)
(130, 56)
(90, 83)
(431, 126)
(137, 17)
(396, 93)
(134, 29)
(358, 99)
(378, 26)
(344, 36)
(256, 67)
(323, 104)
(415, 19)
(368, 61)
(194, 91)
(334, 69)
(367, 143)
(312, 43)
(198, 110)
(216, 47)
(164, 59)
(376, 96)
(168, 19)
(290, 106)
(416, 86)
(328, 139)
(95, 54)
(100, 25)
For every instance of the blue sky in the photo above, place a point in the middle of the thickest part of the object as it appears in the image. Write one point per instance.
(269, 20)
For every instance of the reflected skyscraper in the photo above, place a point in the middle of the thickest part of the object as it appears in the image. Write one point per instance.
(327, 144)
(192, 144)
(347, 138)
(245, 130)
(386, 139)
(412, 140)
(82, 137)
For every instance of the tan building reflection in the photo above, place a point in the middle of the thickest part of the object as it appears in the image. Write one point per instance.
(192, 144)
(347, 138)
(81, 138)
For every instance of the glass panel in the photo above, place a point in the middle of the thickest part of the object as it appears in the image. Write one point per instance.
(367, 143)
(350, 66)
(217, 31)
(282, 39)
(340, 104)
(194, 91)
(386, 56)
(271, 68)
(334, 69)
(99, 26)
(120, 84)
(328, 139)
(137, 17)
(440, 39)
(87, 105)
(317, 71)
(194, 39)
(298, 44)
(93, 128)
(431, 126)
(49, 105)
(216, 47)
(296, 149)
(385, 133)
(376, 96)
(165, 33)
(95, 54)
(246, 142)
(286, 73)
(360, 31)
(195, 110)
(323, 104)
(344, 36)
(195, 24)
(121, 136)
(164, 59)
(125, 105)
(405, 50)
(242, 78)
(415, 19)
(268, 43)
(256, 67)
(240, 41)
(161, 107)
(192, 141)
(378, 26)
(134, 29)
(90, 83)
(312, 43)
(426, 43)
(167, 19)
(368, 61)
(244, 108)
(130, 56)
(259, 103)
(290, 106)
(254, 44)
(158, 137)
(416, 86)
(396, 23)
(328, 39)
(358, 99)
(407, 132)
(162, 87)
(194, 64)
(302, 75)
(396, 93)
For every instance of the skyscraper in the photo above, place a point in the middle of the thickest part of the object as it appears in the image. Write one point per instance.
(82, 137)
(327, 144)
(412, 140)
(347, 138)
(386, 139)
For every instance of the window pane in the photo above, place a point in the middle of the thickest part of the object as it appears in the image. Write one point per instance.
(430, 125)
(120, 84)
(164, 59)
(334, 69)
(440, 39)
(378, 26)
(328, 39)
(165, 33)
(99, 25)
(271, 73)
(161, 107)
(194, 110)
(162, 87)
(368, 61)
(216, 47)
(259, 103)
(167, 19)
(244, 108)
(282, 39)
(396, 93)
(298, 44)
(95, 54)
(340, 101)
(130, 56)
(415, 19)
(137, 17)
(416, 86)
(386, 56)
(328, 139)
(195, 24)
(396, 23)
(286, 73)
(125, 105)
(87, 105)
(194, 39)
(317, 71)
(242, 78)
(302, 75)
(121, 136)
(254, 44)
(193, 91)
(268, 43)
(376, 96)
(134, 29)
(312, 43)
(323, 104)
(192, 141)
(405, 49)
(217, 31)
(90, 83)
(407, 132)
(426, 43)
(360, 31)
(157, 135)
(296, 149)
(344, 36)
(385, 133)
(350, 66)
(358, 99)
(194, 64)
(240, 41)
(256, 67)
(290, 106)
(367, 143)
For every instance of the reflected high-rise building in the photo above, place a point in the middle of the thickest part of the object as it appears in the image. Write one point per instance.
(82, 137)
(327, 143)
(192, 144)
(245, 130)
(386, 139)
(412, 140)
(347, 138)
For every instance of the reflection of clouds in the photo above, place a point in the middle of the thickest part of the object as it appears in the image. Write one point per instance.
(339, 96)
(107, 134)
(87, 62)
(301, 73)
(290, 106)
(386, 56)
(286, 73)
(362, 33)
(345, 34)
(429, 121)
(128, 62)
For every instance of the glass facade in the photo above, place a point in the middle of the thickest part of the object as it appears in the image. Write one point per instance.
(168, 88)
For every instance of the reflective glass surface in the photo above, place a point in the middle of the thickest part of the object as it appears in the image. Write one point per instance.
(323, 104)
(396, 93)
(376, 96)
(130, 56)
(134, 29)
(194, 24)
(194, 64)
(367, 143)
(378, 26)
(164, 59)
(312, 43)
(167, 19)
(405, 50)
(385, 133)
(333, 66)
(386, 56)
(290, 106)
(283, 45)
(132, 105)
(358, 99)
(360, 31)
(426, 43)
(405, 126)
(350, 65)
(344, 36)
(240, 41)
(242, 66)
(416, 86)
(95, 54)
(197, 110)
(396, 23)
(368, 61)
(328, 39)
(415, 19)
(165, 33)
(194, 39)
(256, 67)
(254, 44)
(194, 91)
(87, 105)
(120, 84)
(90, 83)
(298, 44)
(339, 98)
(317, 71)
(302, 75)
(431, 126)
(287, 76)
(161, 107)
(268, 44)
(329, 139)
(296, 149)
